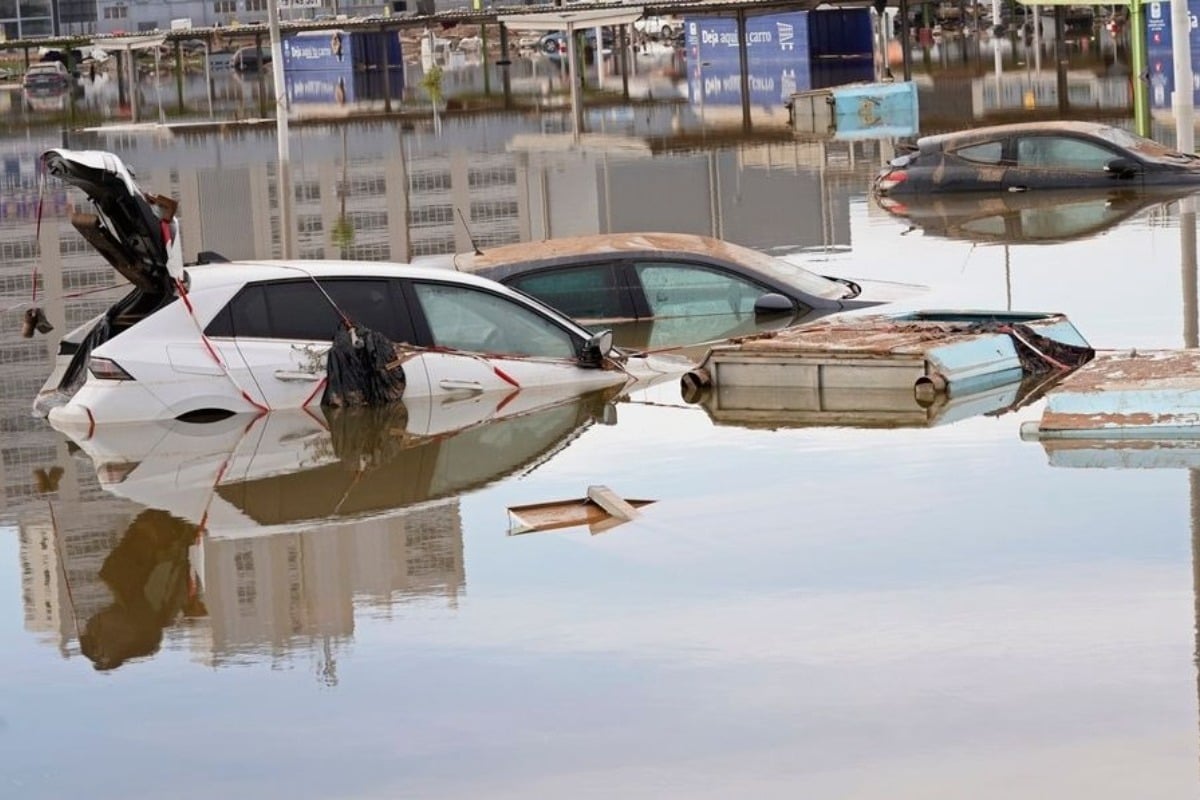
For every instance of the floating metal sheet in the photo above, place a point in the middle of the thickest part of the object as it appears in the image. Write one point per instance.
(1131, 394)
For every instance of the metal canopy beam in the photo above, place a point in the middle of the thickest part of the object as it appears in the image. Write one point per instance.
(559, 21)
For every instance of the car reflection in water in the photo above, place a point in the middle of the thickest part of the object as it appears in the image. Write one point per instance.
(278, 524)
(1051, 217)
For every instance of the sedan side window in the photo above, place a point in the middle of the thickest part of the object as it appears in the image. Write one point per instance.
(298, 309)
(471, 319)
(986, 153)
(1062, 152)
(675, 290)
(587, 292)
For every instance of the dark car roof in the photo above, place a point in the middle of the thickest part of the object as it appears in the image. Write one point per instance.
(501, 263)
(958, 138)
(565, 249)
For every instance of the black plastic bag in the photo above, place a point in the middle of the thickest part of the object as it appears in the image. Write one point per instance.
(363, 368)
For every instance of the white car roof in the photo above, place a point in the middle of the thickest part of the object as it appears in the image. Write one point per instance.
(236, 273)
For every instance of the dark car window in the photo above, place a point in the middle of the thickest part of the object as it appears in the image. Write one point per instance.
(300, 310)
(986, 153)
(674, 290)
(587, 292)
(467, 318)
(1062, 152)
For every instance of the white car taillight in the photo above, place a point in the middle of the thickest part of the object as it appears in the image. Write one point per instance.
(107, 370)
(891, 180)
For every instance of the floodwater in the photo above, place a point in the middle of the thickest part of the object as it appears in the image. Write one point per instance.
(339, 607)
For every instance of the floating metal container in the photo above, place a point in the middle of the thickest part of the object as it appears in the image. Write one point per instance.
(928, 353)
(1125, 395)
(857, 110)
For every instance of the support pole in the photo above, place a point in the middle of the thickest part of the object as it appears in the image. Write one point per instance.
(744, 67)
(133, 83)
(572, 68)
(905, 40)
(505, 64)
(1183, 100)
(599, 58)
(179, 75)
(122, 87)
(1141, 86)
(623, 32)
(208, 84)
(1060, 59)
(262, 89)
(487, 67)
(283, 175)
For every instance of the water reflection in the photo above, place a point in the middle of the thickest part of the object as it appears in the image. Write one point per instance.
(1027, 217)
(263, 533)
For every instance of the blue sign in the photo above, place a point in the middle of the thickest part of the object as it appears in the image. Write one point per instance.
(1159, 57)
(319, 51)
(773, 37)
(777, 54)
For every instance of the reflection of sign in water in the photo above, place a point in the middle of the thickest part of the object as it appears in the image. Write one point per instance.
(319, 87)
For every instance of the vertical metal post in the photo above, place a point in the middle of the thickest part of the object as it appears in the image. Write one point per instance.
(208, 84)
(284, 177)
(744, 66)
(1183, 101)
(1141, 86)
(572, 69)
(599, 57)
(487, 67)
(179, 74)
(623, 32)
(905, 40)
(505, 63)
(122, 89)
(1060, 59)
(133, 83)
(262, 89)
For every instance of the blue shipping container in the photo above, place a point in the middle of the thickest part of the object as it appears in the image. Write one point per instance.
(841, 33)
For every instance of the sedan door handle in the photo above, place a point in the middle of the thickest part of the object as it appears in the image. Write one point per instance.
(461, 386)
(1018, 188)
(297, 376)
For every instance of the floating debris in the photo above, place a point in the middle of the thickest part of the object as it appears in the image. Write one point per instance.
(1125, 395)
(600, 510)
(928, 353)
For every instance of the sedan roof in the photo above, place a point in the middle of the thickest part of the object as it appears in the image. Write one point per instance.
(939, 140)
(502, 262)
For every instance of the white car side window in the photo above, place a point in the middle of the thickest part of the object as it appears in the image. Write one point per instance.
(471, 319)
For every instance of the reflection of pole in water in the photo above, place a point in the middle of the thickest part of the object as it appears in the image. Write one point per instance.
(1187, 262)
(1194, 494)
(1007, 279)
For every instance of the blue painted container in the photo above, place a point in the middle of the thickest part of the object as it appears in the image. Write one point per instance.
(875, 110)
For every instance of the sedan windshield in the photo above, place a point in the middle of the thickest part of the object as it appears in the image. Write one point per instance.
(784, 272)
(1148, 149)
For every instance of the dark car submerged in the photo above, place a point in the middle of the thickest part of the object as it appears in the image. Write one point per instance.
(1036, 156)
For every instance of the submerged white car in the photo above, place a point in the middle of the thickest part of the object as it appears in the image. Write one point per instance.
(220, 338)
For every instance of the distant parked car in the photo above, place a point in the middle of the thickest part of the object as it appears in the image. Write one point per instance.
(46, 76)
(688, 288)
(554, 43)
(660, 27)
(1036, 156)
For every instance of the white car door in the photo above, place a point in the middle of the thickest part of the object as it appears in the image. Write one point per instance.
(492, 343)
(283, 331)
